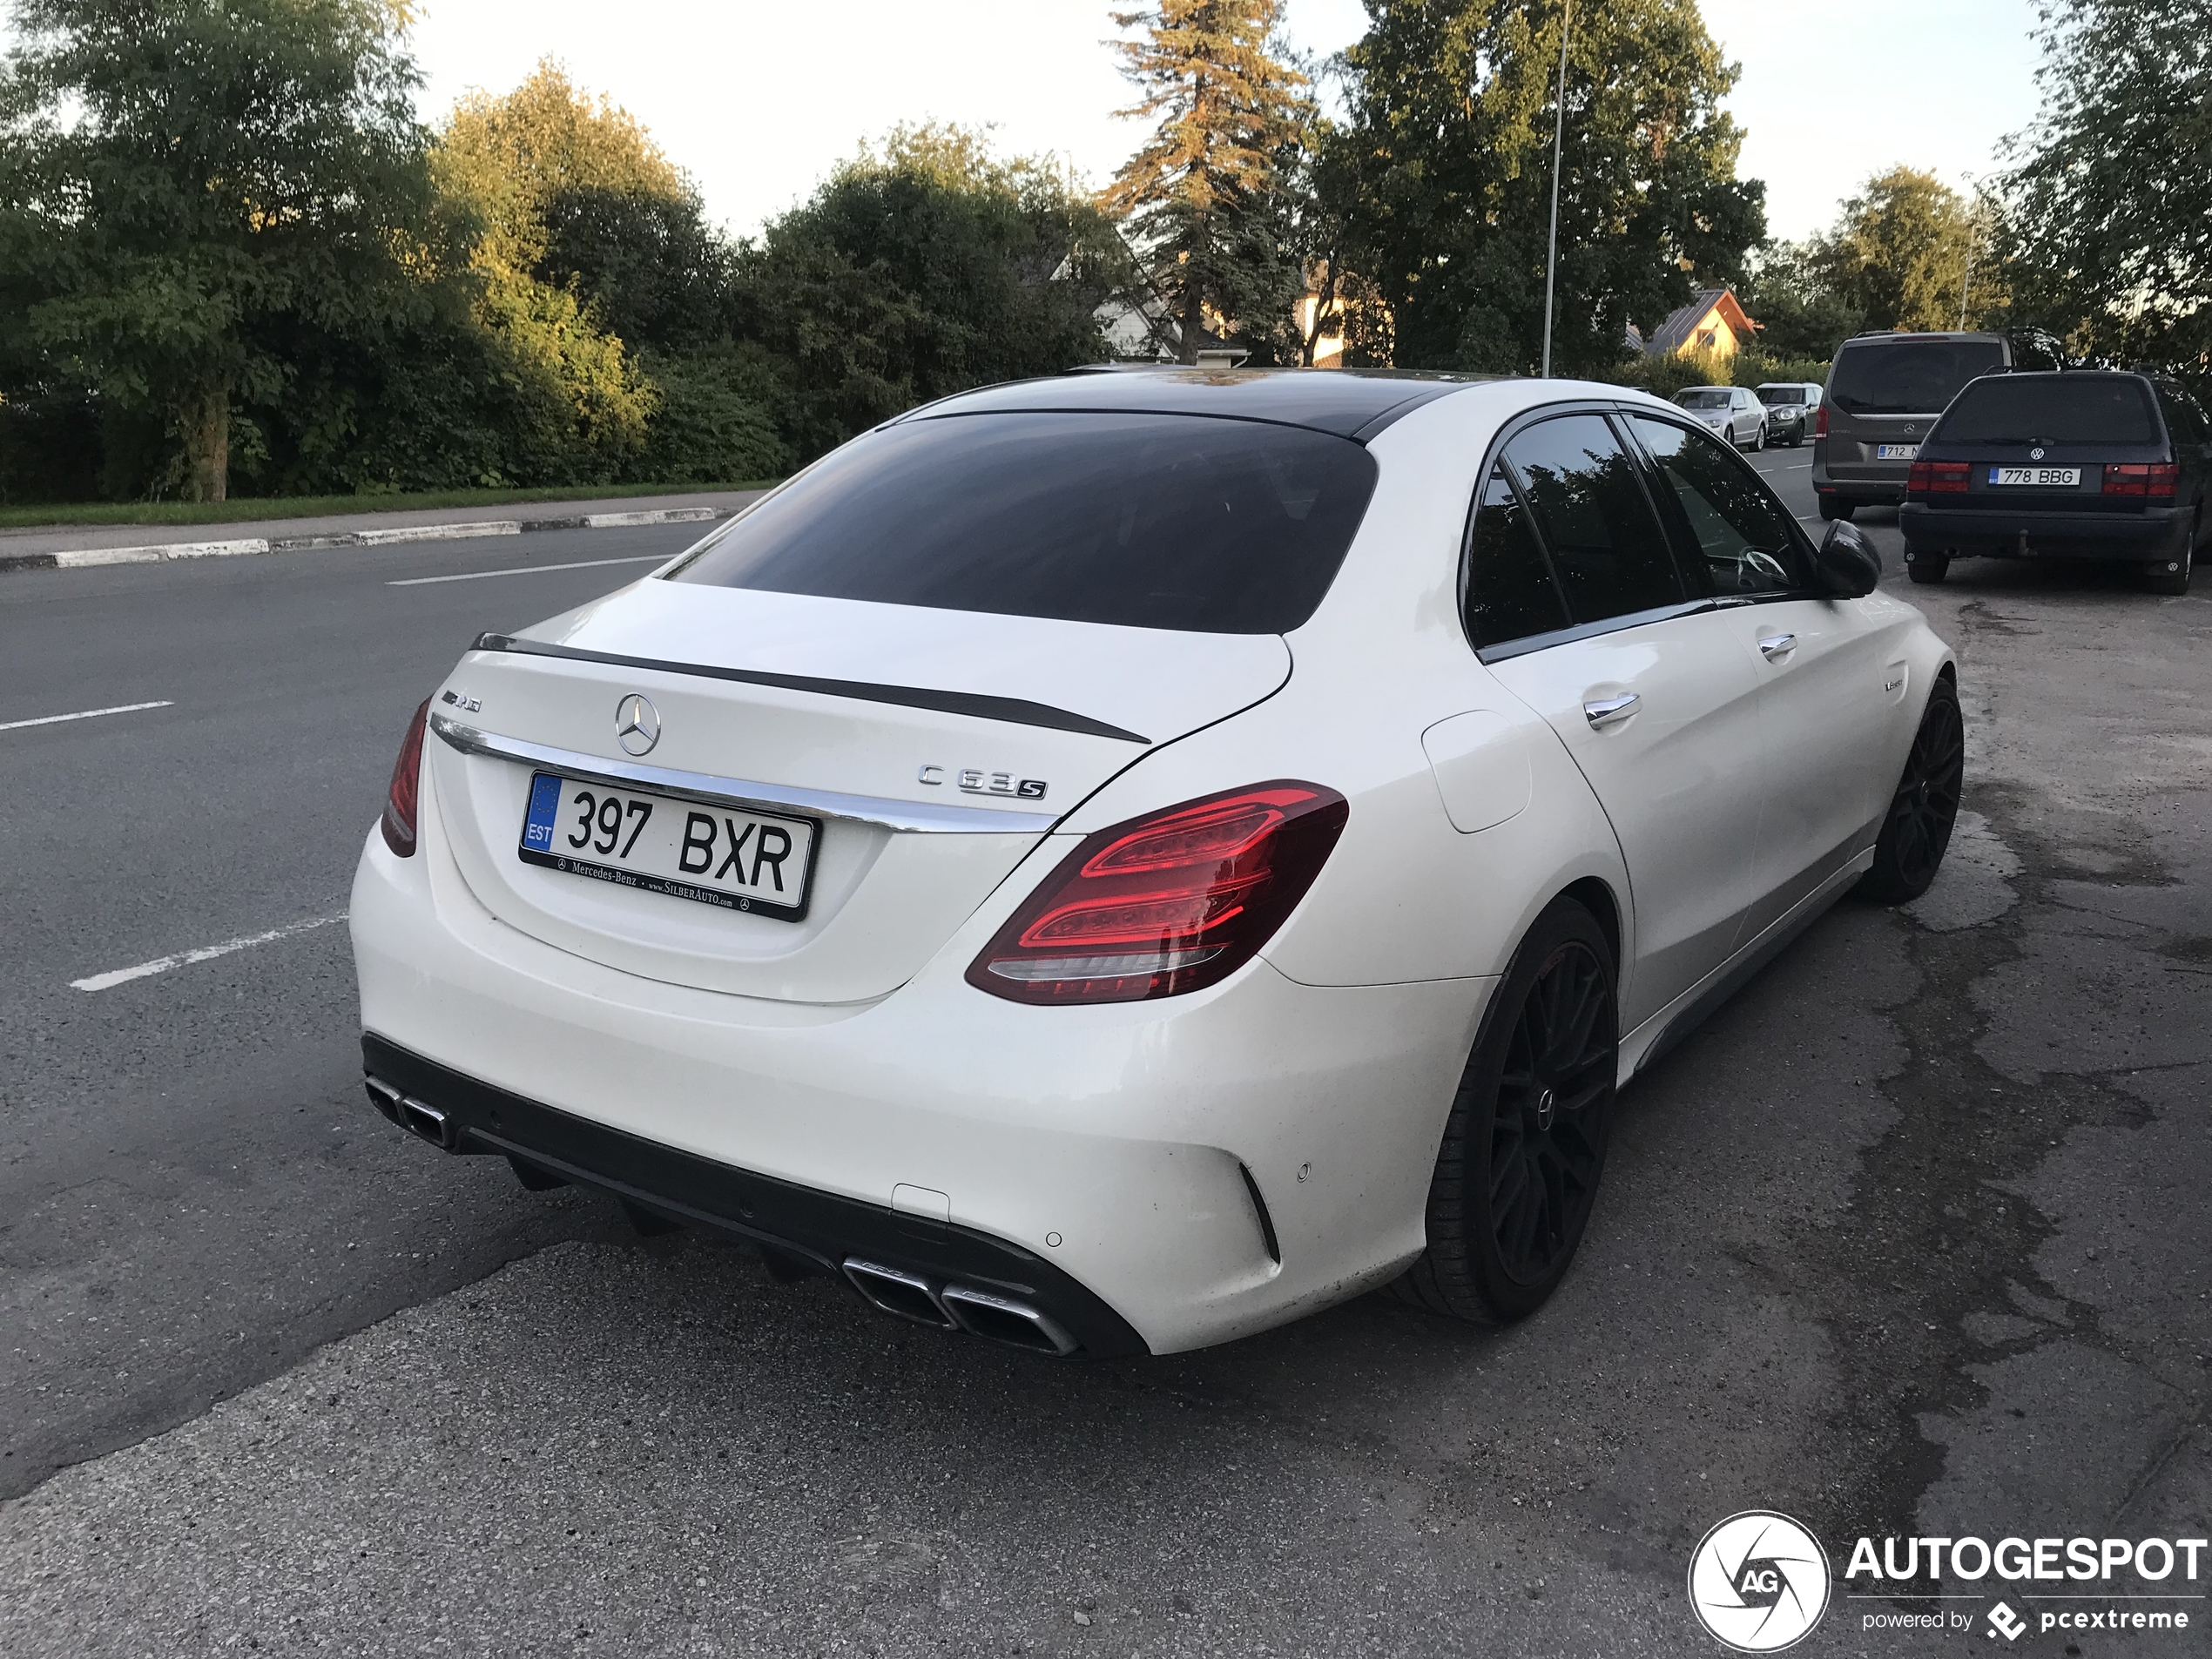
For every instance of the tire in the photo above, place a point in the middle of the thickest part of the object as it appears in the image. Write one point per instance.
(1529, 1125)
(2158, 579)
(1831, 507)
(1917, 828)
(1926, 569)
(1759, 439)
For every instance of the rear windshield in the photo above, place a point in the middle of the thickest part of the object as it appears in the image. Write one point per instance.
(1710, 398)
(1186, 522)
(1911, 377)
(1782, 395)
(2009, 408)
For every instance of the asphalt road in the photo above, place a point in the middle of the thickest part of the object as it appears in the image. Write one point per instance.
(1912, 1238)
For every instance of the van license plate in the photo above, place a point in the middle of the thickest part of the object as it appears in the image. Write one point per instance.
(1896, 451)
(757, 862)
(2037, 477)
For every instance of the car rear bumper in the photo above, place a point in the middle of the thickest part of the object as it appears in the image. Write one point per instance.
(821, 1228)
(1861, 486)
(1159, 1175)
(1968, 532)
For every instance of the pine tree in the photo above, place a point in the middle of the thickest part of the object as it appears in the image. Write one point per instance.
(1204, 194)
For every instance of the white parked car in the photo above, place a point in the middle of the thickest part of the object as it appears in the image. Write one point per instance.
(1729, 410)
(1117, 862)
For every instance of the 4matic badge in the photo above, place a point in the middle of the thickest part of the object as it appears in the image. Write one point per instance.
(976, 781)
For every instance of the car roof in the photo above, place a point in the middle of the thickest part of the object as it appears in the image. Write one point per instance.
(1898, 337)
(2069, 374)
(1348, 402)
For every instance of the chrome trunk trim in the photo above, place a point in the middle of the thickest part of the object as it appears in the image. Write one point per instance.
(905, 817)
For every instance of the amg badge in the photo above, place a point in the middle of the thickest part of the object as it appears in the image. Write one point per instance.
(976, 781)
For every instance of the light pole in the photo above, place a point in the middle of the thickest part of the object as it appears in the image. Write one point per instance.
(1973, 224)
(1559, 134)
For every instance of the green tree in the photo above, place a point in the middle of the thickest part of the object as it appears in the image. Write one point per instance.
(1206, 193)
(1799, 315)
(183, 183)
(919, 271)
(1911, 253)
(2107, 224)
(1444, 176)
(506, 160)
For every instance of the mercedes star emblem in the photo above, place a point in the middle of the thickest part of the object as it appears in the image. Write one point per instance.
(637, 724)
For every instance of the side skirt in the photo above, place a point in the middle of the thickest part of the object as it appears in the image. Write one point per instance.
(1649, 1040)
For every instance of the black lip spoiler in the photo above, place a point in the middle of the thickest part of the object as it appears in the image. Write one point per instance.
(1013, 710)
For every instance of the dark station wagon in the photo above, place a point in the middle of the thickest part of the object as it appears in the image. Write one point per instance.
(2081, 464)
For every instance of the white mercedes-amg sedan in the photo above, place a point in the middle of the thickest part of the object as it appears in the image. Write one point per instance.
(1113, 863)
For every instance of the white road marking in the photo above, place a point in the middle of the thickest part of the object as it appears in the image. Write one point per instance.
(206, 952)
(82, 714)
(531, 570)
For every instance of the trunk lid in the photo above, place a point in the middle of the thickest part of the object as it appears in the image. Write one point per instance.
(932, 748)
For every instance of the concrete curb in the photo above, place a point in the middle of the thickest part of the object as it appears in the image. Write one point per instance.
(75, 558)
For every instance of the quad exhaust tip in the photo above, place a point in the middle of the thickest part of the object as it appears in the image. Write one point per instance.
(959, 1307)
(417, 1118)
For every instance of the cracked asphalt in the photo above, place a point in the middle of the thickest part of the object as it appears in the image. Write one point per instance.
(1913, 1236)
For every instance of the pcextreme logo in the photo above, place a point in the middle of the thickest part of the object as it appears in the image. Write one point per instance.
(1759, 1581)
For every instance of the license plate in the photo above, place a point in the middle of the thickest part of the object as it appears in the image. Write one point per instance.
(1896, 451)
(758, 862)
(2037, 477)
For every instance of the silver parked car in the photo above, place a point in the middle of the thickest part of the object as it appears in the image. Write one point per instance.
(1791, 407)
(1730, 411)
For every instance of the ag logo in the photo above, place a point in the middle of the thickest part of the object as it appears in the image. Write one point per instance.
(1759, 1581)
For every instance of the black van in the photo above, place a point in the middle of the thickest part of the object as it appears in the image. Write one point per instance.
(2085, 464)
(1885, 391)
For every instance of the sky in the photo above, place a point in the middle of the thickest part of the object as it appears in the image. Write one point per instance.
(759, 99)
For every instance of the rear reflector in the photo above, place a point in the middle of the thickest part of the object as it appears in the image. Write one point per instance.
(1937, 477)
(1168, 903)
(406, 779)
(2157, 479)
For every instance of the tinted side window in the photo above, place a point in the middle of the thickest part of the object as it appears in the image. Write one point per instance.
(1510, 592)
(2181, 418)
(1746, 540)
(1594, 518)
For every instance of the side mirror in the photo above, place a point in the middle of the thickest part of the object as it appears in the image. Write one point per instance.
(1846, 566)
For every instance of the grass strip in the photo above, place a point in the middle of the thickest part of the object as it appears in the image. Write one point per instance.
(59, 514)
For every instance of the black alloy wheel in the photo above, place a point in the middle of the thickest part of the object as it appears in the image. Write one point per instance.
(1525, 1144)
(1918, 829)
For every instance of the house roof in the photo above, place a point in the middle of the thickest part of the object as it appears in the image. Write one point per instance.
(1682, 322)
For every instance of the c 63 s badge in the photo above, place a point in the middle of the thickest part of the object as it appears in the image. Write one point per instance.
(974, 780)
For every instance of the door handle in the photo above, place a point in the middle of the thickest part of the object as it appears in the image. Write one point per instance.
(1602, 712)
(1776, 645)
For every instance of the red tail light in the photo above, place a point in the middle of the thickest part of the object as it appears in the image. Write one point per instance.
(1165, 904)
(406, 779)
(1937, 477)
(1820, 422)
(2157, 480)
